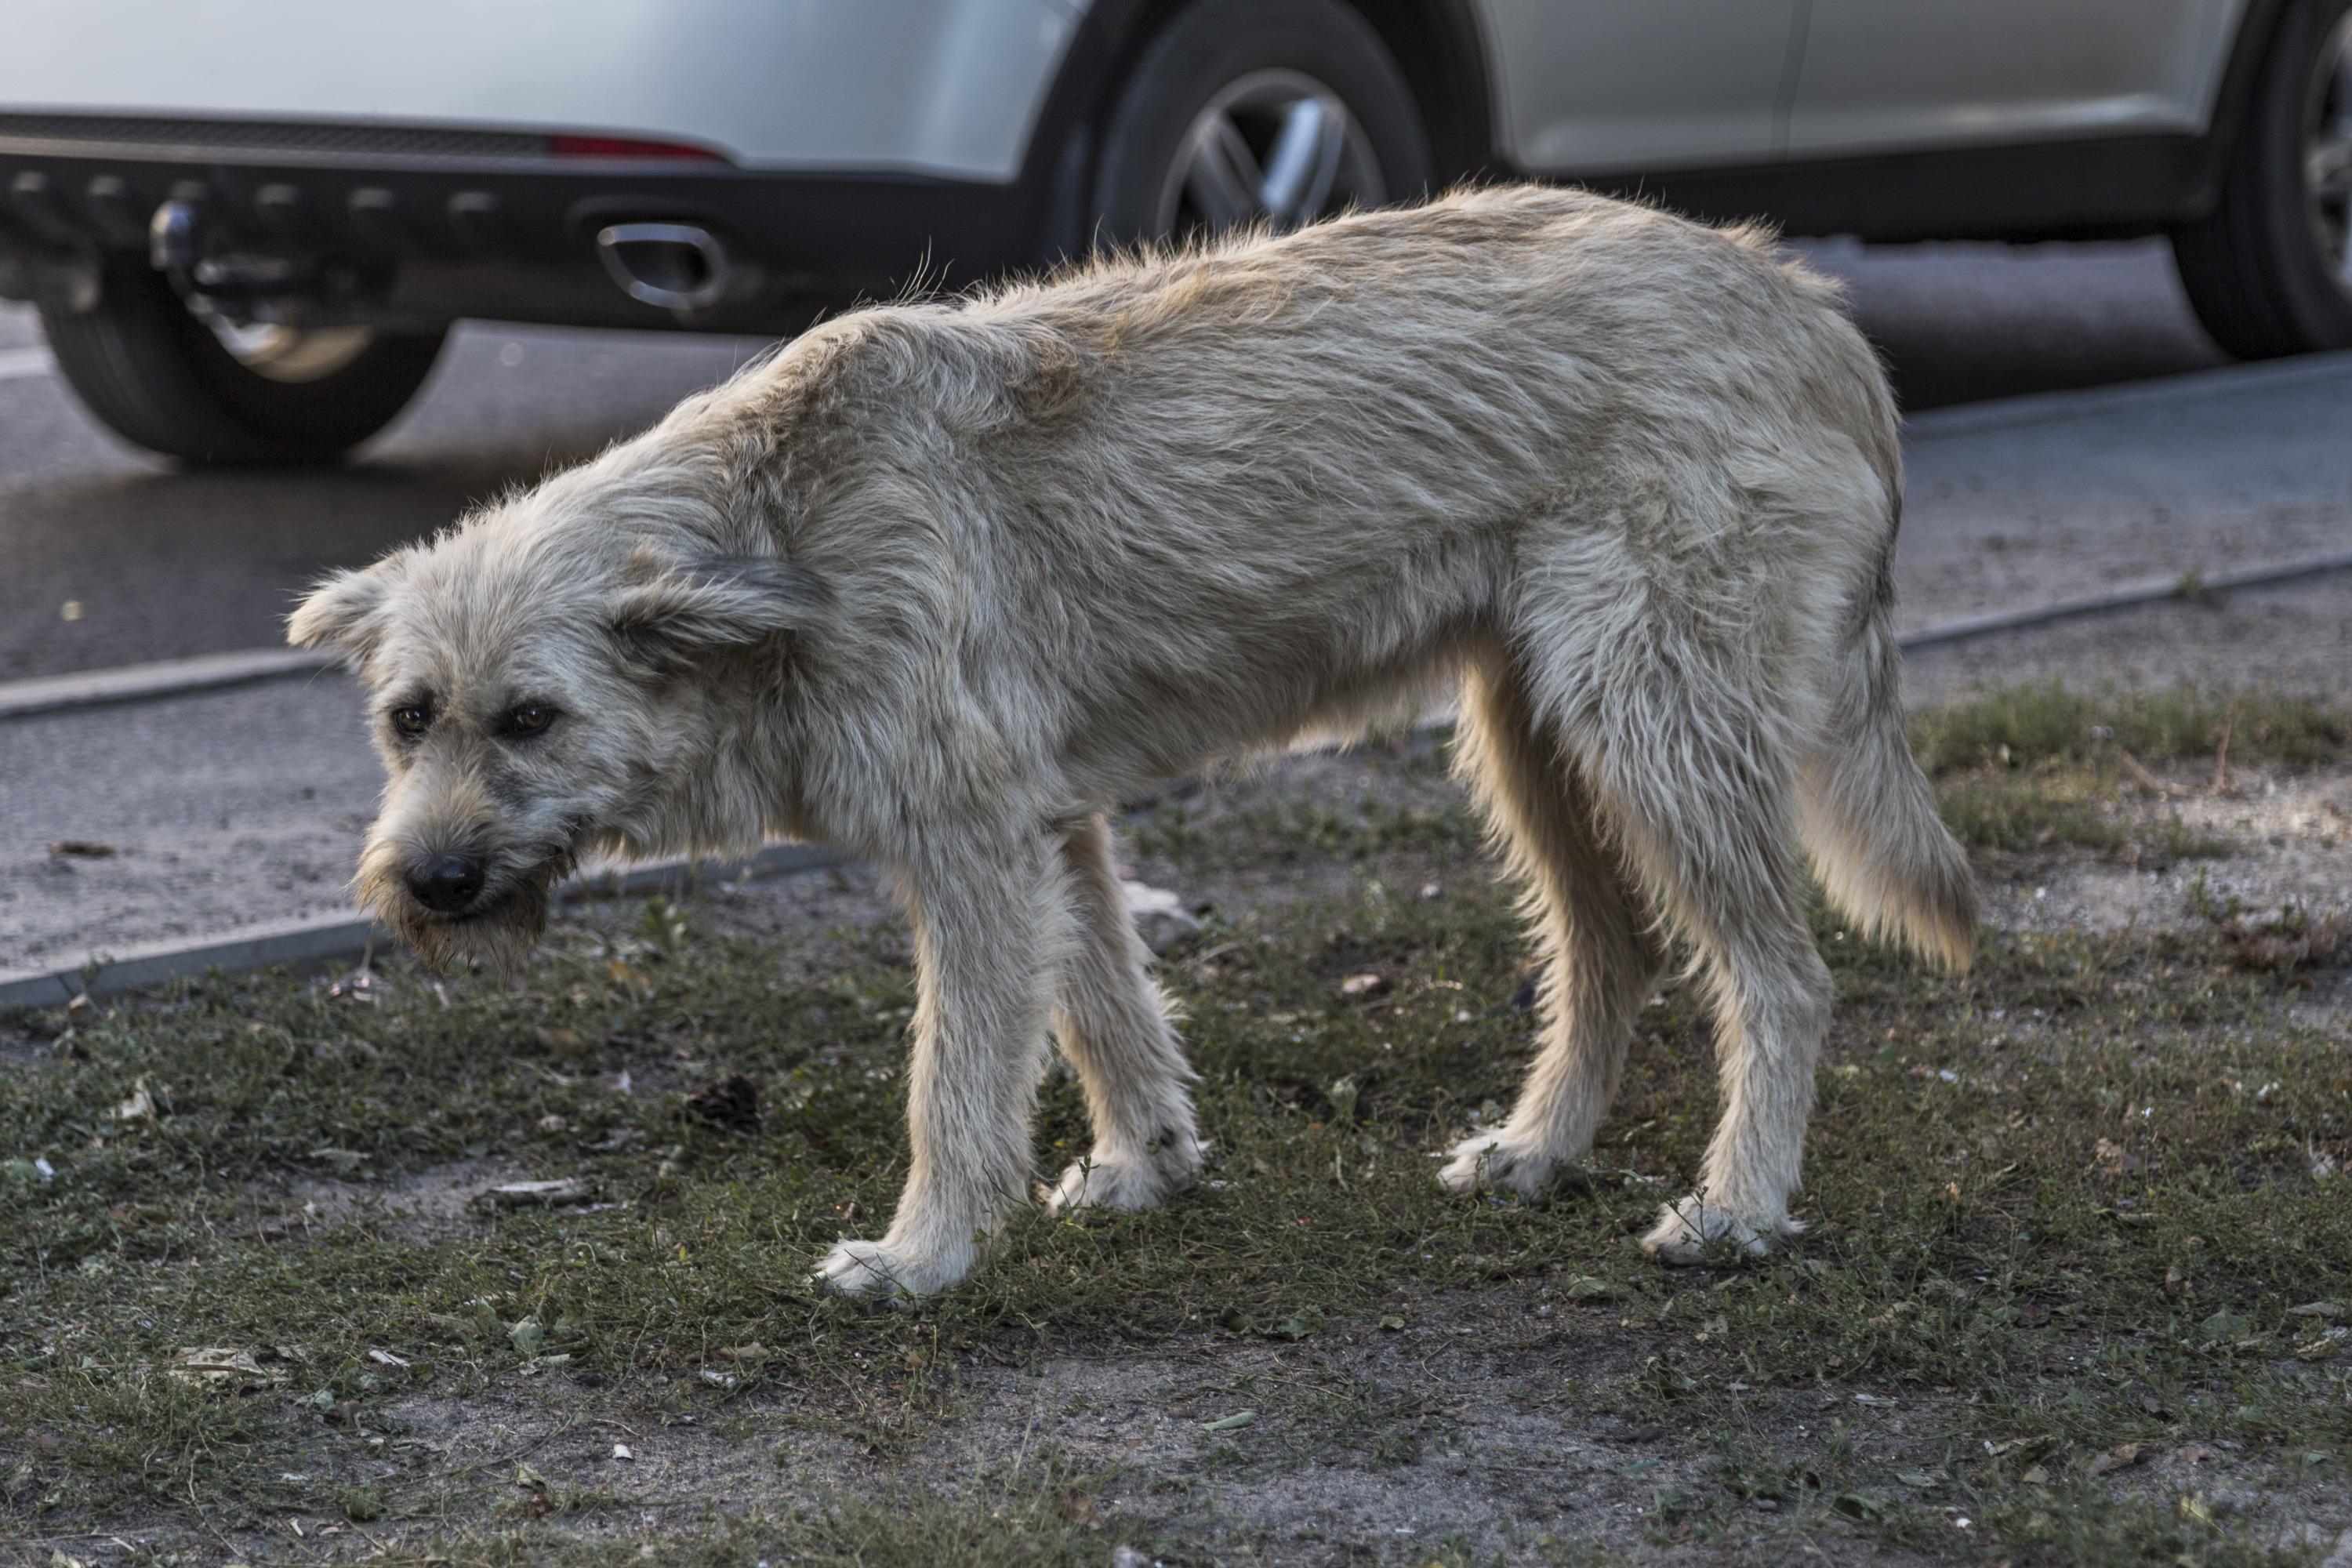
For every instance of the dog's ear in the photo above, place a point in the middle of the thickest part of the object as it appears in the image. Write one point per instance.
(677, 611)
(344, 612)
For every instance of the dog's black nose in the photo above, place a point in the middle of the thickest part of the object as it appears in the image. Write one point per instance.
(447, 885)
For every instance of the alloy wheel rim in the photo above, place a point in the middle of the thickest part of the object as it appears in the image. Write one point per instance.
(2327, 155)
(292, 355)
(1274, 146)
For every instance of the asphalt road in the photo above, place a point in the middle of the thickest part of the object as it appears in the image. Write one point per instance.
(163, 564)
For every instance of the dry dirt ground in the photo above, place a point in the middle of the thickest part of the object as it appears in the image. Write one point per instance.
(2079, 1286)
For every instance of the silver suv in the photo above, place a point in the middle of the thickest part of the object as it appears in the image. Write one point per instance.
(248, 225)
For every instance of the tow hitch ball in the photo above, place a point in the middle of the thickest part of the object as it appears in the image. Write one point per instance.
(171, 238)
(241, 285)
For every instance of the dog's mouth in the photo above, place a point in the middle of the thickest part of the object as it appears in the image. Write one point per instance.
(500, 927)
(519, 890)
(526, 890)
(487, 909)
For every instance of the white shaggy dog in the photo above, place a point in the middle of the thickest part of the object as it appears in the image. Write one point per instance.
(939, 582)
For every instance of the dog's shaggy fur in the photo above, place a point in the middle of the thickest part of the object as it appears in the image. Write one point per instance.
(940, 581)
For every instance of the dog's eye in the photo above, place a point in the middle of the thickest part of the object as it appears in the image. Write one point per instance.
(527, 720)
(412, 722)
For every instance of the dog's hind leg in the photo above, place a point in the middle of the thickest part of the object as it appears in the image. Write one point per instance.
(1691, 760)
(991, 921)
(1114, 1026)
(1598, 955)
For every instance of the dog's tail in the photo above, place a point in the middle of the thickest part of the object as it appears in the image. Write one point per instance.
(1868, 816)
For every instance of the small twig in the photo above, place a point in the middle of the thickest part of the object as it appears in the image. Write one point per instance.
(2147, 781)
(2222, 754)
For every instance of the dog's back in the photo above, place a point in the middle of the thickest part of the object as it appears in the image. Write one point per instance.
(1276, 484)
(1277, 474)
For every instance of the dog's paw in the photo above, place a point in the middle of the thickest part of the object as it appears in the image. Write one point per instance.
(1493, 1160)
(879, 1268)
(1123, 1183)
(1691, 1231)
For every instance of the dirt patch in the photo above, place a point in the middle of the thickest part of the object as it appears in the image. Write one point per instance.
(434, 1204)
(2288, 835)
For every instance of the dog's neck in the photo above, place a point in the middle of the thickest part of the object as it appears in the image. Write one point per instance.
(728, 782)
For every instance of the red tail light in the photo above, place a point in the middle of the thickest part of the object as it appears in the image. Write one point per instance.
(628, 147)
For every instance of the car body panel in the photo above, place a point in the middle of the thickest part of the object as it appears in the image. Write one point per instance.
(1637, 83)
(1887, 76)
(399, 164)
(935, 87)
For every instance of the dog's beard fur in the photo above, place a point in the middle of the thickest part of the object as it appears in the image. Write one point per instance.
(499, 930)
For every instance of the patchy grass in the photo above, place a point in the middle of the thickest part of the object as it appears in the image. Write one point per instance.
(2058, 806)
(2079, 1201)
(2030, 770)
(1040, 1520)
(2017, 726)
(2284, 938)
(1408, 805)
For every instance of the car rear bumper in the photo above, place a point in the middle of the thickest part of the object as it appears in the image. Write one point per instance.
(485, 229)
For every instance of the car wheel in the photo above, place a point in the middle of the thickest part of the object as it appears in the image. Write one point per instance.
(2270, 269)
(1278, 111)
(166, 379)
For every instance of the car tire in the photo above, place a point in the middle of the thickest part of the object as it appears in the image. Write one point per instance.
(1255, 63)
(2263, 270)
(160, 377)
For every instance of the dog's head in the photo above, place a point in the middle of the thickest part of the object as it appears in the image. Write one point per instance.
(536, 690)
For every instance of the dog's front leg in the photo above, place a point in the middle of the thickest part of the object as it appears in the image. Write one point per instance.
(1114, 1028)
(989, 921)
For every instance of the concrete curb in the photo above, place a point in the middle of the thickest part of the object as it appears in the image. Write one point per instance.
(343, 936)
(2188, 386)
(2154, 591)
(19, 364)
(166, 678)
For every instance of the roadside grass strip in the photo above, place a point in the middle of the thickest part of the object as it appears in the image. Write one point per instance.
(2078, 1286)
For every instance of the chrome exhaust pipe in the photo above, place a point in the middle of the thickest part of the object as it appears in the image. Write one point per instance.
(673, 266)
